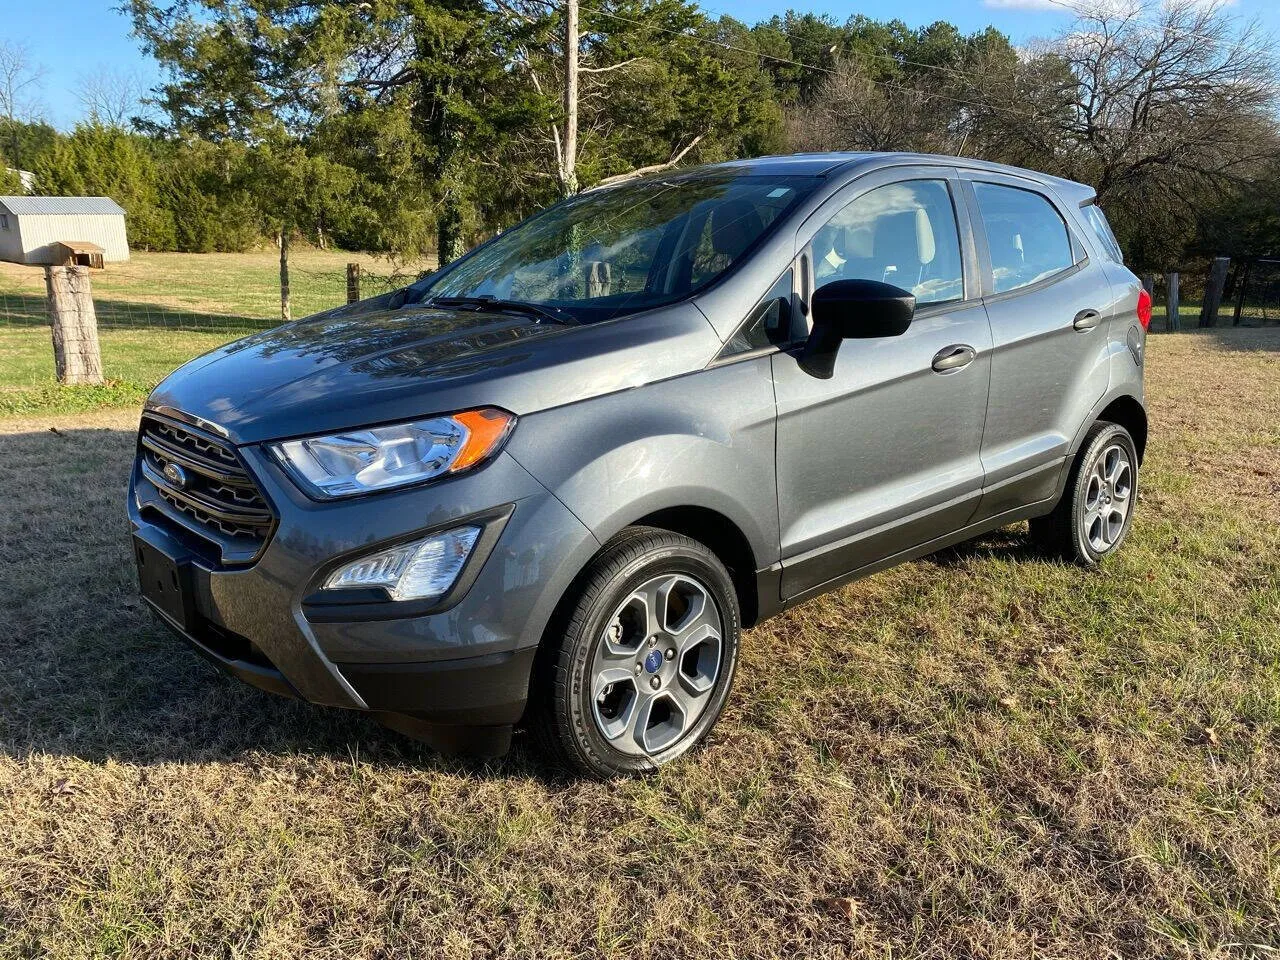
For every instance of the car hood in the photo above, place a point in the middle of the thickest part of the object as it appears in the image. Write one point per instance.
(369, 363)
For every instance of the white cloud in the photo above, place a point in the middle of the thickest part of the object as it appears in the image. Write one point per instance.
(1101, 6)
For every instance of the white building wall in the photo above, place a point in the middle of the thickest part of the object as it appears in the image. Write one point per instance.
(11, 248)
(40, 231)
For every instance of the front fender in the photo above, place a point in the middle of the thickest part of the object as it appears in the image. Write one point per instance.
(701, 440)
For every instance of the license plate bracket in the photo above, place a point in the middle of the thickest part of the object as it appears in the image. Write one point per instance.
(165, 582)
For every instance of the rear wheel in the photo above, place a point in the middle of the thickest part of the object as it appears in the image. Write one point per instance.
(645, 657)
(1095, 512)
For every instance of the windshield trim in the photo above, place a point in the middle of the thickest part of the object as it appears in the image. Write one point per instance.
(419, 291)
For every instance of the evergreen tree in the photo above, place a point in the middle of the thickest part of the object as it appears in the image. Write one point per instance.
(106, 161)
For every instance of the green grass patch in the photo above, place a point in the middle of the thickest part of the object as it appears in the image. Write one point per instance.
(157, 311)
(133, 361)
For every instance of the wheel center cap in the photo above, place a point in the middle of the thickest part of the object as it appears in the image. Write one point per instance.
(653, 662)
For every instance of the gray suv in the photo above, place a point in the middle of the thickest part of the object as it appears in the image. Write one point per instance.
(551, 483)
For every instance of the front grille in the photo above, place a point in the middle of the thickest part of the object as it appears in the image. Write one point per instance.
(203, 487)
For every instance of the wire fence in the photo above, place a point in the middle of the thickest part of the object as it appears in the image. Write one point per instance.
(121, 304)
(156, 311)
(1252, 294)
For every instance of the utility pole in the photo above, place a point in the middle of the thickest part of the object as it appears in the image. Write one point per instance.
(569, 153)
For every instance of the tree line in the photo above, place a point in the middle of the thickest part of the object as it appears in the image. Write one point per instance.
(415, 126)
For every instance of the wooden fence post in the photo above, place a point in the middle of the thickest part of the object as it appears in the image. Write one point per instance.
(1172, 320)
(76, 357)
(1242, 281)
(1213, 291)
(353, 282)
(286, 310)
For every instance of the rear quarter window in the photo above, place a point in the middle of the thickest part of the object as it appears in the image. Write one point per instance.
(1097, 220)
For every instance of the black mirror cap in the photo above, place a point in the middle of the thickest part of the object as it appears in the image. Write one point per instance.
(853, 309)
(863, 309)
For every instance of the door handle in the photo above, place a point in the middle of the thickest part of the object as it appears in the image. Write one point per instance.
(953, 357)
(1087, 319)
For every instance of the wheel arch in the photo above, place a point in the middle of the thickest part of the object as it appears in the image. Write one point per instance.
(1128, 411)
(722, 537)
(713, 529)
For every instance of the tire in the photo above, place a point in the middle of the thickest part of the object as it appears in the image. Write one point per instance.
(1097, 505)
(641, 658)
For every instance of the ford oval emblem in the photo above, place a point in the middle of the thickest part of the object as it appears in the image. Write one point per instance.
(175, 475)
(653, 662)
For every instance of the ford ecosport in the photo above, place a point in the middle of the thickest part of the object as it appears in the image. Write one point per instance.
(552, 482)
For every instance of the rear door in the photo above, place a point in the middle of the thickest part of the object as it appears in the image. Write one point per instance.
(884, 455)
(1048, 304)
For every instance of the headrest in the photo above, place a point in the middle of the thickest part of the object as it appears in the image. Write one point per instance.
(734, 224)
(906, 236)
(924, 236)
(856, 243)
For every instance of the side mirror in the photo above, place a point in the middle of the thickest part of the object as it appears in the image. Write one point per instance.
(853, 310)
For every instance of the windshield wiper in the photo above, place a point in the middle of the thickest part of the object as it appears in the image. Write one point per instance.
(488, 302)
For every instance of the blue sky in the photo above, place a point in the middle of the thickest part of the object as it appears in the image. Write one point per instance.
(87, 36)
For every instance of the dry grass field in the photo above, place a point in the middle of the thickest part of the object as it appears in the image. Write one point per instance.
(980, 754)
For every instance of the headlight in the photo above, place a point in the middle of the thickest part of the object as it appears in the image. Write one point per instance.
(383, 458)
(422, 570)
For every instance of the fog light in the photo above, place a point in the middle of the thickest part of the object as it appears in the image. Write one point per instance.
(422, 570)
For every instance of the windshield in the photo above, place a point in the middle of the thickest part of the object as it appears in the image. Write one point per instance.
(623, 249)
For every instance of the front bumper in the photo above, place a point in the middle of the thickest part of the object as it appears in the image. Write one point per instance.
(467, 661)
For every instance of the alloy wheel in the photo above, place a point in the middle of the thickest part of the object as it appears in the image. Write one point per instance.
(656, 665)
(1108, 498)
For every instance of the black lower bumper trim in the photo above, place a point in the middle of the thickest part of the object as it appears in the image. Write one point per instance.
(488, 690)
(256, 675)
(481, 743)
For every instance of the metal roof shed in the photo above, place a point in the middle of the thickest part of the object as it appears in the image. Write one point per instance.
(31, 228)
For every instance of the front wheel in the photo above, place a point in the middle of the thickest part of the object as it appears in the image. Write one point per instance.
(645, 658)
(1095, 512)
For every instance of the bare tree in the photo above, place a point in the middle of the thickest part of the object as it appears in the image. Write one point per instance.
(20, 81)
(572, 69)
(110, 97)
(854, 110)
(568, 152)
(1157, 105)
(1159, 108)
(1184, 97)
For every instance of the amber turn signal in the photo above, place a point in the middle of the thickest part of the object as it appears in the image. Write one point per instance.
(486, 429)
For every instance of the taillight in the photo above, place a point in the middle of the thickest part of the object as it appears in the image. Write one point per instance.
(1144, 308)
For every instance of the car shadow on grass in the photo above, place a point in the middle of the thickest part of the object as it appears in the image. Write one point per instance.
(86, 670)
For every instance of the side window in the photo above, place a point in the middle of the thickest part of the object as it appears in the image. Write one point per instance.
(1102, 230)
(1027, 236)
(902, 233)
(770, 323)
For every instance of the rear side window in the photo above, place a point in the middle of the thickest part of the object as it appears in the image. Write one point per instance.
(1027, 236)
(1102, 230)
(902, 233)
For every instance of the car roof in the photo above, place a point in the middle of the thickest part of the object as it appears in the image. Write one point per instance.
(827, 164)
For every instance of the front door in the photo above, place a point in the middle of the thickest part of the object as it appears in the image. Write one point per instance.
(884, 456)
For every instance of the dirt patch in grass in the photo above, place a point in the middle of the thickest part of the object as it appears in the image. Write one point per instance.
(981, 754)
